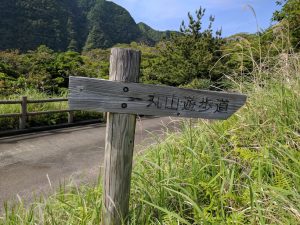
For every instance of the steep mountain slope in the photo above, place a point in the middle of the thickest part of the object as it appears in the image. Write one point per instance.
(26, 24)
(69, 24)
(153, 36)
(110, 24)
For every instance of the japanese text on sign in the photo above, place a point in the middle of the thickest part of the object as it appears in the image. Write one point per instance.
(189, 104)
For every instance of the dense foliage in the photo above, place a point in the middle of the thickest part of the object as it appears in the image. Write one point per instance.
(48, 71)
(110, 24)
(189, 57)
(66, 25)
(151, 36)
(27, 24)
(289, 15)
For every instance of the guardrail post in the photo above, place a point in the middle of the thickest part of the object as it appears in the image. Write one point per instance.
(71, 117)
(23, 116)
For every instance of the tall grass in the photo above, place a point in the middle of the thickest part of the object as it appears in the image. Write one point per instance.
(245, 170)
(242, 171)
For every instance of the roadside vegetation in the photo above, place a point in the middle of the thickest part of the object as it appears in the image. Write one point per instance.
(245, 170)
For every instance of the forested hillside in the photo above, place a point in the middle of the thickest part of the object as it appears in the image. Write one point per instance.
(67, 25)
(151, 36)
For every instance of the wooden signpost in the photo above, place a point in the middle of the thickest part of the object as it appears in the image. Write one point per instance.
(124, 98)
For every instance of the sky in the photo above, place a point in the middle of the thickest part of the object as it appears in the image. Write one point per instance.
(233, 16)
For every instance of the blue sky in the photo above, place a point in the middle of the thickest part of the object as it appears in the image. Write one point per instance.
(232, 15)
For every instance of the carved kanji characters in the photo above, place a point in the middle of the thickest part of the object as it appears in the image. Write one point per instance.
(222, 106)
(153, 100)
(205, 104)
(189, 104)
(172, 103)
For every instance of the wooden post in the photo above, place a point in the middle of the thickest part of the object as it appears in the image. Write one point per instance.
(128, 98)
(70, 117)
(104, 117)
(120, 132)
(23, 116)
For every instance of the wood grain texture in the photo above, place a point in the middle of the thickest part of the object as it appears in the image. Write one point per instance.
(120, 133)
(23, 117)
(122, 97)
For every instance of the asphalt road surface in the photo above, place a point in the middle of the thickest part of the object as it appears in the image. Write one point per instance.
(35, 164)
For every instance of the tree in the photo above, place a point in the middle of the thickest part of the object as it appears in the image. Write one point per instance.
(190, 55)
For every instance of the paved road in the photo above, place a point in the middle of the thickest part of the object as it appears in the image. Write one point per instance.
(36, 163)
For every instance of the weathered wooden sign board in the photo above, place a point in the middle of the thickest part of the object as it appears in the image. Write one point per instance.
(120, 97)
(123, 98)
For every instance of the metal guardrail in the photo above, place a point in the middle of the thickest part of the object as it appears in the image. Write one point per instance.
(23, 115)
